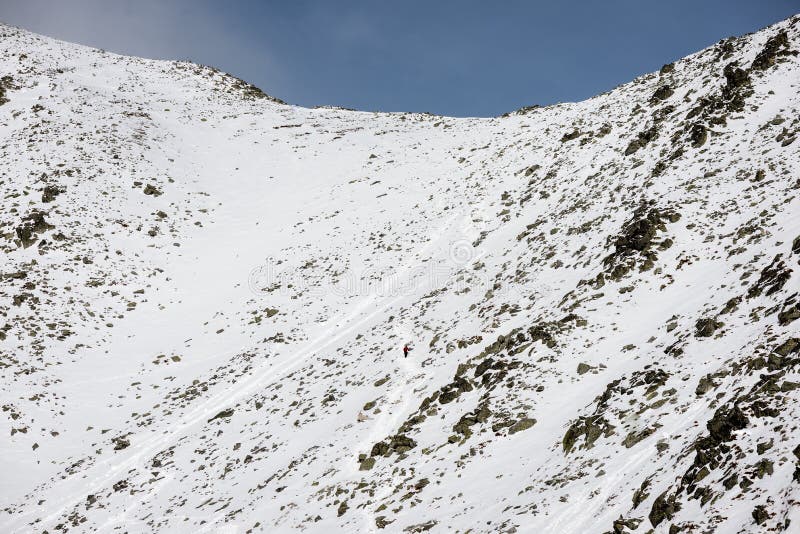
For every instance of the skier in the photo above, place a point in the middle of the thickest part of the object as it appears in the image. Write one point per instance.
(405, 350)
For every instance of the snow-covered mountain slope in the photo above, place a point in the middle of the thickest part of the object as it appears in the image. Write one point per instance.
(205, 293)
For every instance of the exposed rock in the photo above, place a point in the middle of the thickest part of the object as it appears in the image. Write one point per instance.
(421, 527)
(152, 190)
(380, 449)
(788, 346)
(706, 327)
(735, 77)
(342, 509)
(522, 424)
(636, 436)
(6, 83)
(570, 136)
(381, 522)
(590, 428)
(789, 314)
(224, 414)
(642, 139)
(621, 524)
(121, 443)
(635, 244)
(50, 192)
(32, 225)
(664, 507)
(666, 69)
(367, 463)
(775, 47)
(772, 279)
(761, 514)
(705, 385)
(698, 135)
(662, 93)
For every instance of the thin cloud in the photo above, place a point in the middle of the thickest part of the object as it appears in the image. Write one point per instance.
(152, 29)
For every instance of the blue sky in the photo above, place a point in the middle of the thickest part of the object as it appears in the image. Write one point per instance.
(461, 58)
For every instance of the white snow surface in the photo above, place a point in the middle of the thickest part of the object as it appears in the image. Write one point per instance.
(203, 331)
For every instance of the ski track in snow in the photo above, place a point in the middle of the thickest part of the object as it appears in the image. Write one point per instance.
(340, 330)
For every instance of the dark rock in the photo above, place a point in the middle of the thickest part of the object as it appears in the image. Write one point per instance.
(224, 414)
(342, 509)
(448, 396)
(50, 192)
(543, 333)
(367, 464)
(731, 481)
(421, 527)
(642, 139)
(401, 443)
(761, 514)
(590, 428)
(32, 225)
(772, 279)
(764, 468)
(637, 240)
(483, 367)
(726, 421)
(6, 83)
(706, 327)
(464, 424)
(621, 524)
(735, 77)
(381, 381)
(522, 424)
(664, 507)
(662, 93)
(641, 494)
(639, 233)
(380, 449)
(152, 190)
(705, 385)
(788, 346)
(731, 305)
(636, 436)
(776, 46)
(461, 384)
(570, 136)
(251, 92)
(698, 135)
(789, 314)
(381, 522)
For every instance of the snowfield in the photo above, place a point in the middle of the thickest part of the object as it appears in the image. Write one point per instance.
(205, 292)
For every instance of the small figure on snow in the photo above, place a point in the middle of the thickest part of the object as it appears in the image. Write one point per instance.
(406, 350)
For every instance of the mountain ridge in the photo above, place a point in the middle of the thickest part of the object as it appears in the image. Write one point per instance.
(207, 293)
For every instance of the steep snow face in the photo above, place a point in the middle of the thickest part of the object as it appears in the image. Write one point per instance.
(205, 294)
